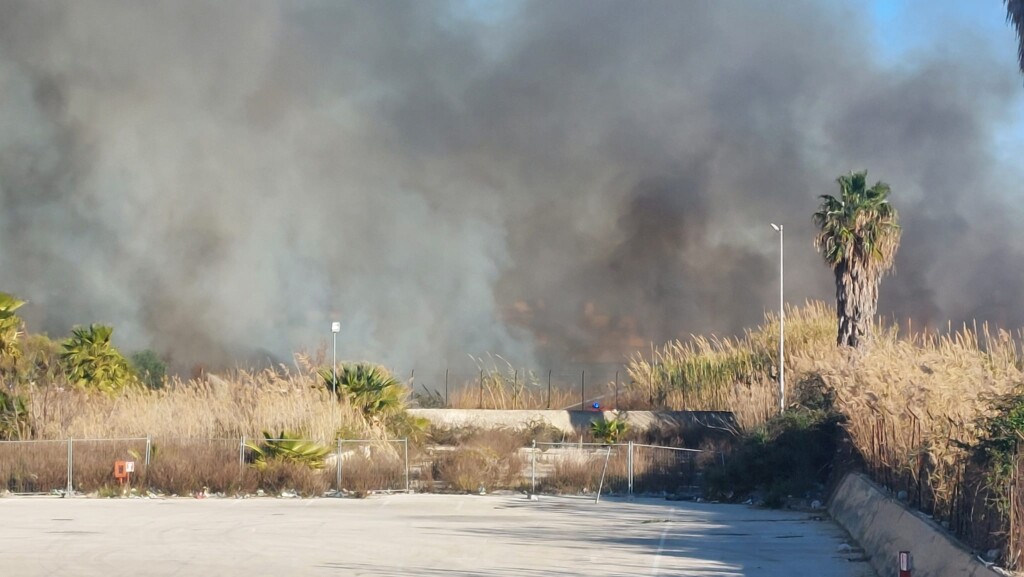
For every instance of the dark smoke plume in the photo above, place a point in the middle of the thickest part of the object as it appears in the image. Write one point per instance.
(551, 181)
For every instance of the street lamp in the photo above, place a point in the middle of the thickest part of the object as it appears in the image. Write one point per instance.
(335, 329)
(782, 324)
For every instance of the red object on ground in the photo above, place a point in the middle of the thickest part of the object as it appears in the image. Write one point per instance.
(905, 564)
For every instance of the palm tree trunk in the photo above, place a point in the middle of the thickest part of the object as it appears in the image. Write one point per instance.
(856, 302)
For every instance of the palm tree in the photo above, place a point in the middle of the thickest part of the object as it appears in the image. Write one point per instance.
(1015, 16)
(367, 387)
(10, 330)
(858, 237)
(92, 362)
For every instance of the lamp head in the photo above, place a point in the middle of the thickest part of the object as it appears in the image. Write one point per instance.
(777, 227)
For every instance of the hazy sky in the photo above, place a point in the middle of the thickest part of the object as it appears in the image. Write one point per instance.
(556, 182)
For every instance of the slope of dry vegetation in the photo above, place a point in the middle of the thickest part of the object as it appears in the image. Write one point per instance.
(917, 408)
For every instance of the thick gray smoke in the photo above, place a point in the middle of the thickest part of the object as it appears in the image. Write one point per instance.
(551, 181)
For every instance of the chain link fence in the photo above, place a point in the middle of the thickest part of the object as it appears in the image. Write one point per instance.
(373, 466)
(225, 466)
(621, 468)
(35, 467)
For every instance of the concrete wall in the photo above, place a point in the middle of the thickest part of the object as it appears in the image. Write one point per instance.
(572, 422)
(884, 527)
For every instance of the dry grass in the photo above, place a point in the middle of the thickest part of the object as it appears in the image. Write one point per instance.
(372, 466)
(500, 385)
(33, 467)
(241, 403)
(728, 374)
(490, 460)
(913, 402)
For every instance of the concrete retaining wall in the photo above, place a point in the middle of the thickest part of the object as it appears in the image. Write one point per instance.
(572, 422)
(884, 527)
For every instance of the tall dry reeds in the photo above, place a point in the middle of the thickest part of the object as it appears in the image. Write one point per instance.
(214, 406)
(913, 402)
(738, 374)
(502, 385)
(914, 405)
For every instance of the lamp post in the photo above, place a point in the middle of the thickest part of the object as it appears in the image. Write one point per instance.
(335, 329)
(782, 323)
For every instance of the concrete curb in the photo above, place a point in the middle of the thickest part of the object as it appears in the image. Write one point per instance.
(884, 527)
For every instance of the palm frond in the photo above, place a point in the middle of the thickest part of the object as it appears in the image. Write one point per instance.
(1015, 16)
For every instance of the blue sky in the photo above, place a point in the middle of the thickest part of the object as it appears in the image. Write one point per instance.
(906, 29)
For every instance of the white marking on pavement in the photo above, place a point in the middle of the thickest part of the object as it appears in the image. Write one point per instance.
(661, 545)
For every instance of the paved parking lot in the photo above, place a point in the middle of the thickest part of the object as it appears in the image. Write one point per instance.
(421, 535)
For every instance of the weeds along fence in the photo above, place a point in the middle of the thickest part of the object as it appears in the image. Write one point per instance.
(198, 466)
(229, 466)
(622, 468)
(368, 466)
(32, 467)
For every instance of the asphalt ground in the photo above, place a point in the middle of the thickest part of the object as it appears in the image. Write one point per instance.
(420, 535)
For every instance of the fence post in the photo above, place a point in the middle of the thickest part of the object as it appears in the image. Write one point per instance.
(71, 467)
(406, 464)
(338, 468)
(616, 390)
(600, 485)
(446, 388)
(241, 454)
(549, 388)
(629, 465)
(481, 388)
(533, 467)
(515, 390)
(583, 390)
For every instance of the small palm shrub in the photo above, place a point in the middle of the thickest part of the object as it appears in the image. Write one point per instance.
(609, 432)
(369, 388)
(92, 362)
(287, 447)
(10, 331)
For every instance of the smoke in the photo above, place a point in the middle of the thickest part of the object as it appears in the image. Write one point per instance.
(552, 181)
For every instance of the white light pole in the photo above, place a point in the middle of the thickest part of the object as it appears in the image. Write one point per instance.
(782, 323)
(335, 329)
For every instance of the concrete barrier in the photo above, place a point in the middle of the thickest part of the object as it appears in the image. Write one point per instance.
(884, 527)
(573, 422)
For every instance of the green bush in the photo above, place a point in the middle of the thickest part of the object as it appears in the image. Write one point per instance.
(92, 362)
(791, 455)
(608, 432)
(369, 388)
(15, 418)
(287, 447)
(150, 368)
(1000, 446)
(40, 361)
(10, 331)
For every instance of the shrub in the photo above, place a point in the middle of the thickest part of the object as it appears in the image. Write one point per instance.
(15, 419)
(791, 455)
(369, 388)
(608, 432)
(287, 447)
(10, 332)
(488, 460)
(92, 362)
(40, 362)
(150, 368)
